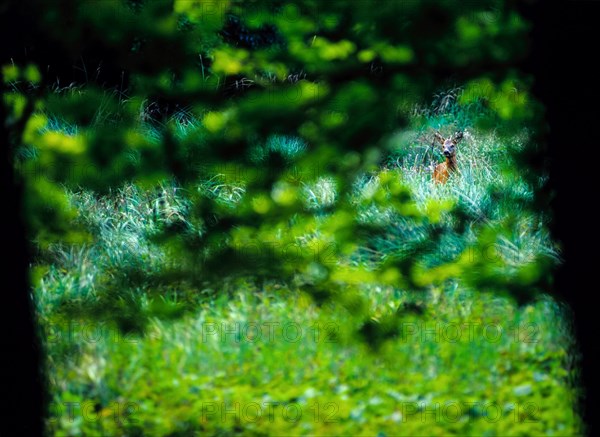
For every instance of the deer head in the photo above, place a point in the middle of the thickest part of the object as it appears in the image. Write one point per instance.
(448, 144)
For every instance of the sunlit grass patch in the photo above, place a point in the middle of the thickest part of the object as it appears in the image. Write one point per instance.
(147, 342)
(276, 348)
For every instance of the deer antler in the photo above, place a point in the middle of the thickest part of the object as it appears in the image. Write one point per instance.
(438, 137)
(458, 136)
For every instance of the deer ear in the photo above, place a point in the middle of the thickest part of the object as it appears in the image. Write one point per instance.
(437, 137)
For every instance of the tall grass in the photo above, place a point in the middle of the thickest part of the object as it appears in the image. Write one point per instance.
(167, 365)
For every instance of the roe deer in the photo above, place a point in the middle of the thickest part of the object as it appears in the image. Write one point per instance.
(442, 171)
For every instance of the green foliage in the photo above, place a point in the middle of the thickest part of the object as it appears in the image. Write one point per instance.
(295, 158)
(183, 375)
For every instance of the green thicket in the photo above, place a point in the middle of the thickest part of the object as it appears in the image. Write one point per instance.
(269, 161)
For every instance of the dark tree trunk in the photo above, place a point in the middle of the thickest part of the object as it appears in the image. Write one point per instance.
(21, 403)
(23, 389)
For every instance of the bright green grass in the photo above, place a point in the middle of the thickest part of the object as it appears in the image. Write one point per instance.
(248, 364)
(193, 361)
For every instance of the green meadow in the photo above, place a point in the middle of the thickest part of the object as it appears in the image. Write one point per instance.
(234, 229)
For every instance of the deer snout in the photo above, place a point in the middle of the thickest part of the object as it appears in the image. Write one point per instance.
(448, 150)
